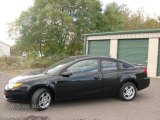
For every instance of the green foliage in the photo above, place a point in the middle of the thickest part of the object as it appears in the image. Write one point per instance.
(53, 27)
(113, 17)
(151, 23)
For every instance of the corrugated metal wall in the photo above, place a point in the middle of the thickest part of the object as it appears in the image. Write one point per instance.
(99, 47)
(133, 50)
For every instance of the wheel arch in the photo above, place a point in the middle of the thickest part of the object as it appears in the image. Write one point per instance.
(132, 80)
(36, 87)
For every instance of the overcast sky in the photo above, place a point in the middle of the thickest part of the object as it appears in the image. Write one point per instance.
(11, 9)
(151, 7)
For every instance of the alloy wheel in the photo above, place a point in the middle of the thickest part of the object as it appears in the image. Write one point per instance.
(44, 100)
(129, 92)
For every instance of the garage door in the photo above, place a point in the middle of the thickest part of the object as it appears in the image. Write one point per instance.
(158, 71)
(99, 47)
(133, 50)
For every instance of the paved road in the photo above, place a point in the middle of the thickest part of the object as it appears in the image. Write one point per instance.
(146, 106)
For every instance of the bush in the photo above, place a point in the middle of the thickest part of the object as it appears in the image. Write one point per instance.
(38, 62)
(9, 62)
(17, 62)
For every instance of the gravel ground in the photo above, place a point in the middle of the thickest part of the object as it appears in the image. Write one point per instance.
(146, 106)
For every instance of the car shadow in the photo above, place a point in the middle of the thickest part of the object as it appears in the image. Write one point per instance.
(32, 117)
(85, 100)
(67, 102)
(77, 102)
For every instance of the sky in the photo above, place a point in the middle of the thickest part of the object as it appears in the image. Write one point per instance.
(150, 7)
(11, 9)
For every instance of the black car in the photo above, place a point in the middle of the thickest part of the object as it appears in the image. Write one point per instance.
(76, 77)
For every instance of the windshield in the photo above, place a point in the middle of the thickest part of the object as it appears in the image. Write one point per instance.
(58, 65)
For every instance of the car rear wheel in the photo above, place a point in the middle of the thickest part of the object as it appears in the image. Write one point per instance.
(41, 99)
(128, 91)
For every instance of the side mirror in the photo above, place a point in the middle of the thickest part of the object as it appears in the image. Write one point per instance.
(66, 74)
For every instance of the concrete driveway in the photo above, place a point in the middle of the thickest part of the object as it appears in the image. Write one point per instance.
(146, 106)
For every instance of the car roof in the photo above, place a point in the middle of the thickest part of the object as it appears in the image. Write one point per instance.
(79, 57)
(82, 57)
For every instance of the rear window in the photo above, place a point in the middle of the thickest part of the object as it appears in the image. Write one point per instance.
(124, 65)
(108, 65)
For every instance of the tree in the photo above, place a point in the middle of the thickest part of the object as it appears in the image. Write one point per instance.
(56, 27)
(151, 23)
(113, 16)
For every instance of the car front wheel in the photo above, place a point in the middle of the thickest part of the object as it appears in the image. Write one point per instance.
(128, 91)
(41, 99)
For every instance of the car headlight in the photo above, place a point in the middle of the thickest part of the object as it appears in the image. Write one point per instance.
(13, 85)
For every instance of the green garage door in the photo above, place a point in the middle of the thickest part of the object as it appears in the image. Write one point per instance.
(133, 51)
(99, 47)
(158, 71)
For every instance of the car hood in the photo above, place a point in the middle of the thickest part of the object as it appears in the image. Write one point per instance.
(30, 76)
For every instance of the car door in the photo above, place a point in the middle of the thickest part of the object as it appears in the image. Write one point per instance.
(85, 79)
(110, 76)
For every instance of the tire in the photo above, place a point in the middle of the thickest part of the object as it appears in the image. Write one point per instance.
(41, 99)
(128, 91)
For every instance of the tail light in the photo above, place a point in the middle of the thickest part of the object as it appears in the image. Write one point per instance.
(145, 70)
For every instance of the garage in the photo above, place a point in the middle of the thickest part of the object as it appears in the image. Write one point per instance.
(133, 50)
(158, 70)
(134, 46)
(99, 47)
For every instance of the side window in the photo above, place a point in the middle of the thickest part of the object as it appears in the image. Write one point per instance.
(108, 65)
(84, 66)
(125, 65)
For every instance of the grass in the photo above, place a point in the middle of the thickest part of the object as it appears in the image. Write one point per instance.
(21, 63)
(15, 65)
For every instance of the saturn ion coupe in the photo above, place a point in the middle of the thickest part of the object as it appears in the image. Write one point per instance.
(78, 76)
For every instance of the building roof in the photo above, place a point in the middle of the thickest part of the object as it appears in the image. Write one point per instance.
(124, 32)
(4, 43)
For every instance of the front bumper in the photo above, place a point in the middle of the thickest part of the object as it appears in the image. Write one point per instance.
(16, 95)
(144, 83)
